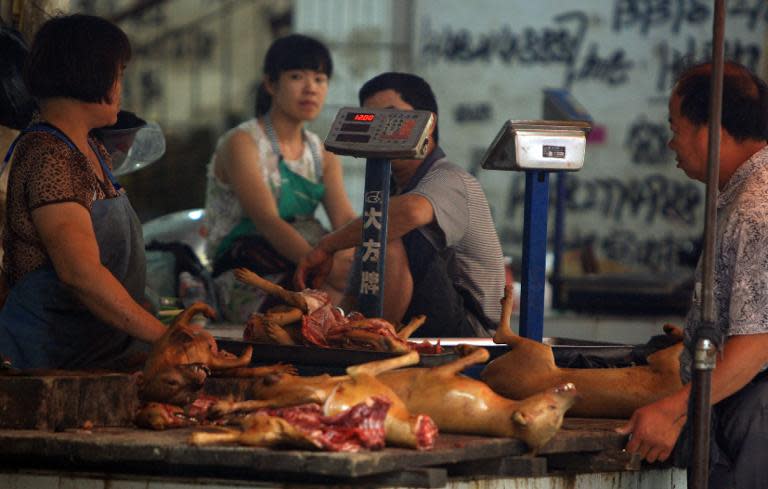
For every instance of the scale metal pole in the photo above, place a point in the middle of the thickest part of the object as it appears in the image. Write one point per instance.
(373, 251)
(706, 337)
(534, 255)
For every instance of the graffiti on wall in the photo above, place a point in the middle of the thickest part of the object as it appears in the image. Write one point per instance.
(473, 112)
(651, 199)
(564, 41)
(560, 44)
(666, 253)
(673, 58)
(646, 142)
(647, 15)
(637, 209)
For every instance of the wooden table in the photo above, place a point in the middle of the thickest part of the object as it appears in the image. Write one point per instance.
(582, 445)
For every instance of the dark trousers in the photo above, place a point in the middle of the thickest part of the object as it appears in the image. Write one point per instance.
(434, 294)
(741, 435)
(739, 439)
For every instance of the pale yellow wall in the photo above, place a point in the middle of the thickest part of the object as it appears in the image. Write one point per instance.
(195, 61)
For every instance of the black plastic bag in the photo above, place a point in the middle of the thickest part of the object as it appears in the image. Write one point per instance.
(16, 104)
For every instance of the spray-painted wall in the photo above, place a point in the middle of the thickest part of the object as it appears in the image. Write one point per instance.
(489, 61)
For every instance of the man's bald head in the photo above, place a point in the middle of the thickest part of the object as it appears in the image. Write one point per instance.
(745, 99)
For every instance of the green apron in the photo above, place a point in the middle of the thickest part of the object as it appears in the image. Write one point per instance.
(297, 199)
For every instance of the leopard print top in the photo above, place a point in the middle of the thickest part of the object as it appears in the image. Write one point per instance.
(44, 171)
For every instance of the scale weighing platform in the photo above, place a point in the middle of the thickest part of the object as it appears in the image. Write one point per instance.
(379, 135)
(536, 148)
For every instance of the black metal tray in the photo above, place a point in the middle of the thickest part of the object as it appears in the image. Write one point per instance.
(311, 360)
(326, 357)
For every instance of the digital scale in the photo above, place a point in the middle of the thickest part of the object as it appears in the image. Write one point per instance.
(538, 145)
(379, 135)
(536, 148)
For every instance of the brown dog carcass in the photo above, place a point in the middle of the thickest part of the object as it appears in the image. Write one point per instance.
(339, 394)
(459, 404)
(456, 403)
(183, 358)
(310, 318)
(305, 426)
(529, 367)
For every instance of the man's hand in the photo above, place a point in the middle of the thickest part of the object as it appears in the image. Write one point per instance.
(315, 265)
(654, 430)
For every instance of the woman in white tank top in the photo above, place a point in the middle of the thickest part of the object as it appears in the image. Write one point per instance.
(267, 177)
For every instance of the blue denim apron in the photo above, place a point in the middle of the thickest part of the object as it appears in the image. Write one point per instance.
(43, 324)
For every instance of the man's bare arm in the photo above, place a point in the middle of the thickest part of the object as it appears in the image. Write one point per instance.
(655, 427)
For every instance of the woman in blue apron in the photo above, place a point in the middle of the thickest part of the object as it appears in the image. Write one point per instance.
(268, 176)
(74, 252)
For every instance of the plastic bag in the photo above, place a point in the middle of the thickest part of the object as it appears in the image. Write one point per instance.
(16, 104)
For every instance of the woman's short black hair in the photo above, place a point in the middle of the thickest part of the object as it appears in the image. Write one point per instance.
(412, 89)
(745, 99)
(292, 52)
(297, 52)
(76, 56)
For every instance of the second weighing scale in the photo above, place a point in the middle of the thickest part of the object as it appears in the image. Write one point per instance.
(536, 148)
(379, 135)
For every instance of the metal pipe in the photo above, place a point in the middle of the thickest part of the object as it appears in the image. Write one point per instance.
(713, 163)
(704, 357)
(704, 363)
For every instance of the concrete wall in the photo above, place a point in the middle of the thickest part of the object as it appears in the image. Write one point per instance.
(489, 61)
(197, 62)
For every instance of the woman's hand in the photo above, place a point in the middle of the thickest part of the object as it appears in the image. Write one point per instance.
(313, 268)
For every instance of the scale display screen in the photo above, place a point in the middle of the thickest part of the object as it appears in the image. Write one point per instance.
(361, 116)
(380, 133)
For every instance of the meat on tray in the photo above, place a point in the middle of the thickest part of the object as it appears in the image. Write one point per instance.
(310, 318)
